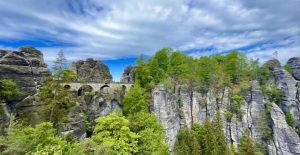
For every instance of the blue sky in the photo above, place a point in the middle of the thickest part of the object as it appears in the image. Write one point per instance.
(120, 30)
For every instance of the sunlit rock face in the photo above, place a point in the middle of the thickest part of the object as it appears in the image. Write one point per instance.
(176, 110)
(91, 70)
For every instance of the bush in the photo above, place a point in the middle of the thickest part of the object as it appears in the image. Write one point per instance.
(228, 116)
(288, 68)
(290, 119)
(274, 94)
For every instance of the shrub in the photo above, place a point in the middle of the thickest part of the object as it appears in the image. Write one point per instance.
(290, 119)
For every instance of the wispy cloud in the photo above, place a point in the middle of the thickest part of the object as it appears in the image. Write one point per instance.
(123, 28)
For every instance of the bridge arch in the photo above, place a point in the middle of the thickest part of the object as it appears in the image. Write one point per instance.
(105, 89)
(67, 87)
(83, 89)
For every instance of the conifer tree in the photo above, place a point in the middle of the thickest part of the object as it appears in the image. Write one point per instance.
(220, 139)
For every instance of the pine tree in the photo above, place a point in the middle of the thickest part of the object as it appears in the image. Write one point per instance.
(248, 146)
(220, 139)
(209, 138)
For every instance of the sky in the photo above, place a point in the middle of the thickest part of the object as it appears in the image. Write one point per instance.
(117, 31)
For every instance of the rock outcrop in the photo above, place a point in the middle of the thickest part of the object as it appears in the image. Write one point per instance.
(294, 64)
(285, 140)
(128, 75)
(91, 70)
(288, 86)
(165, 106)
(179, 110)
(26, 67)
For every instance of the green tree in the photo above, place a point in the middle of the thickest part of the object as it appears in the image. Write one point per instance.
(218, 132)
(134, 101)
(142, 74)
(248, 146)
(186, 143)
(236, 104)
(198, 131)
(33, 140)
(177, 68)
(113, 131)
(57, 100)
(209, 138)
(151, 134)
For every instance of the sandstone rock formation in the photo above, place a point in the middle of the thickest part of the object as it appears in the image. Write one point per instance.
(26, 67)
(128, 75)
(294, 63)
(91, 70)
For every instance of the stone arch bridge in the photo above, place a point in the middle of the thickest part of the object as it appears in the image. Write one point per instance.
(76, 86)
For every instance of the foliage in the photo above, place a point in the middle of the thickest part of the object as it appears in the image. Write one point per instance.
(8, 90)
(57, 100)
(151, 134)
(236, 104)
(220, 140)
(33, 140)
(113, 131)
(290, 119)
(274, 94)
(288, 68)
(186, 143)
(263, 126)
(228, 116)
(248, 146)
(134, 101)
(88, 125)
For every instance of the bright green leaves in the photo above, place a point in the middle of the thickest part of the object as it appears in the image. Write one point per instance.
(113, 131)
(134, 101)
(151, 134)
(33, 140)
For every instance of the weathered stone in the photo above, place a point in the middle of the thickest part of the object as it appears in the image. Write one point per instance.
(91, 70)
(287, 84)
(294, 63)
(26, 67)
(165, 108)
(128, 75)
(285, 139)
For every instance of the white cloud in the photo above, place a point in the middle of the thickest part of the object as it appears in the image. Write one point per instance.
(108, 29)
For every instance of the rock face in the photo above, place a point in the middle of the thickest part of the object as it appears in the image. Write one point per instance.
(91, 70)
(288, 86)
(285, 139)
(178, 110)
(128, 75)
(26, 67)
(165, 107)
(294, 63)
